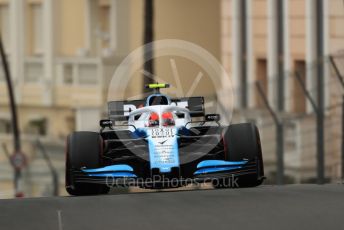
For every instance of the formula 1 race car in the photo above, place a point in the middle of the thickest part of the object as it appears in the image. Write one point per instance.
(161, 142)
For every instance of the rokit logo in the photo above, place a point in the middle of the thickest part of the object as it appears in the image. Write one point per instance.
(162, 133)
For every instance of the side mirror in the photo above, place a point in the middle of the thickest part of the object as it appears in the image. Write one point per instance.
(105, 123)
(213, 117)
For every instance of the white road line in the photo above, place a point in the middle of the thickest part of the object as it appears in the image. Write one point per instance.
(59, 218)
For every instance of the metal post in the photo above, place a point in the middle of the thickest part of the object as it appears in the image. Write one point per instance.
(280, 53)
(243, 30)
(16, 133)
(320, 95)
(148, 65)
(342, 160)
(280, 152)
(279, 136)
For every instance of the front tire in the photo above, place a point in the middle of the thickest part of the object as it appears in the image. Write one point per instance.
(84, 149)
(242, 141)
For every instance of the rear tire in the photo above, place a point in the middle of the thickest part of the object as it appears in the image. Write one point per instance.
(242, 141)
(84, 149)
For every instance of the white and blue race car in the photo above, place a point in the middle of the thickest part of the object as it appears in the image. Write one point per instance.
(154, 143)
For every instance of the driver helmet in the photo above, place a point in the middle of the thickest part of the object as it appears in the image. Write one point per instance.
(153, 119)
(167, 119)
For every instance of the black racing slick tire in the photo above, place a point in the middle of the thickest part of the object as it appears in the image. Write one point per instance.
(242, 142)
(84, 149)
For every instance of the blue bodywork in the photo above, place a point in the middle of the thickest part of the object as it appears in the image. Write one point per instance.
(111, 171)
(212, 166)
(110, 168)
(204, 167)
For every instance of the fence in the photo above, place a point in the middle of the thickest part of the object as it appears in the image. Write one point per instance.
(297, 135)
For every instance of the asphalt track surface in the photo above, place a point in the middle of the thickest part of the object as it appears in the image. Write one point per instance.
(265, 207)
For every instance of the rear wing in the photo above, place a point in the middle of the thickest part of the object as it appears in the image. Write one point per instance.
(119, 110)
